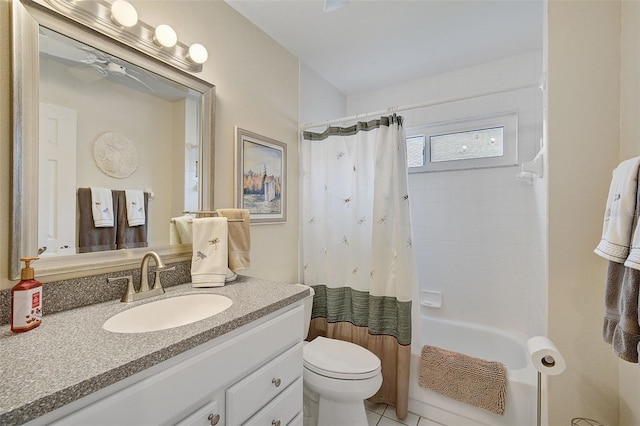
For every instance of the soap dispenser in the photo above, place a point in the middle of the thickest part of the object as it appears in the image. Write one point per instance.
(26, 300)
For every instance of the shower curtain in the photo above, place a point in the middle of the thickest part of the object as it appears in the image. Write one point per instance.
(356, 244)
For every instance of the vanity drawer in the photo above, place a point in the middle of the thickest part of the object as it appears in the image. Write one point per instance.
(254, 391)
(283, 409)
(205, 416)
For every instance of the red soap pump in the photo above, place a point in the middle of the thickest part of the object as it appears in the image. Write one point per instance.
(26, 300)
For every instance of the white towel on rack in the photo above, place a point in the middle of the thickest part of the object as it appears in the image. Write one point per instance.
(102, 207)
(620, 214)
(210, 251)
(135, 206)
(180, 231)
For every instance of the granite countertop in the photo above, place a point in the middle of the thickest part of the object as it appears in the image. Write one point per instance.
(70, 355)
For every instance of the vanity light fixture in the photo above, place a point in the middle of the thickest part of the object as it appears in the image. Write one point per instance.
(118, 19)
(165, 36)
(124, 14)
(198, 53)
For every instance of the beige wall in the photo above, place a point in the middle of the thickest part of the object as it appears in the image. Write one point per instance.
(583, 142)
(629, 375)
(5, 140)
(257, 89)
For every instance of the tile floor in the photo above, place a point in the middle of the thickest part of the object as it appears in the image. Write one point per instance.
(385, 415)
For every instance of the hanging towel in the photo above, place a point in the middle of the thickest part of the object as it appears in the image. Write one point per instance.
(102, 207)
(130, 236)
(633, 260)
(136, 214)
(90, 238)
(239, 238)
(620, 213)
(621, 326)
(180, 230)
(210, 251)
(464, 378)
(621, 321)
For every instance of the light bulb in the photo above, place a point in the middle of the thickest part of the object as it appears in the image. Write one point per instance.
(165, 36)
(198, 53)
(123, 13)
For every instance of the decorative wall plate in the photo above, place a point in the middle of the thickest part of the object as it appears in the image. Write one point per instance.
(115, 155)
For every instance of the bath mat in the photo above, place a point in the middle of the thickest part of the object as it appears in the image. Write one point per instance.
(464, 378)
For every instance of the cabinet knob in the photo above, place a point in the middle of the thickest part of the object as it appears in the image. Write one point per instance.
(214, 419)
(276, 382)
(275, 423)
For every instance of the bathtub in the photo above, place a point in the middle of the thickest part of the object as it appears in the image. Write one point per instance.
(480, 342)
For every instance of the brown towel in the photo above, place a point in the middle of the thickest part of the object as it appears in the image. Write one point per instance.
(90, 238)
(130, 236)
(622, 319)
(239, 238)
(464, 378)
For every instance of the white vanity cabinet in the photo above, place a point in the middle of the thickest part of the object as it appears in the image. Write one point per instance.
(277, 386)
(252, 375)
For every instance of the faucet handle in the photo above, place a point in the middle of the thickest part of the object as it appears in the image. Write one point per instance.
(128, 294)
(157, 283)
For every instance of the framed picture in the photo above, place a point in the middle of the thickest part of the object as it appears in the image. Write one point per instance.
(261, 177)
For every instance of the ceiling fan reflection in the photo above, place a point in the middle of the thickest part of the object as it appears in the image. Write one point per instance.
(107, 67)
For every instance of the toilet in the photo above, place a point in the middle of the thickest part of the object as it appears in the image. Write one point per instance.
(337, 377)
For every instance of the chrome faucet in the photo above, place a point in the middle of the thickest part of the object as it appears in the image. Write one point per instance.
(130, 294)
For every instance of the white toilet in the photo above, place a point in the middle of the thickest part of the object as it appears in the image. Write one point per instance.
(337, 377)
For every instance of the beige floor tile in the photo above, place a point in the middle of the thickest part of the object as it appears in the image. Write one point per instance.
(410, 420)
(376, 408)
(386, 421)
(372, 418)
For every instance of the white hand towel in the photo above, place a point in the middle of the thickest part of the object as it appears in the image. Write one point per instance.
(102, 207)
(180, 231)
(135, 206)
(210, 251)
(620, 212)
(633, 260)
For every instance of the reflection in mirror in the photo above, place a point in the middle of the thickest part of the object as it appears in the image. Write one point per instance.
(106, 126)
(92, 112)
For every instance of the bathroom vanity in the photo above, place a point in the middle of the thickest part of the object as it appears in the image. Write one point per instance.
(241, 366)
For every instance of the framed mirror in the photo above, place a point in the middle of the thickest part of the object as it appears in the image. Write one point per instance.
(93, 115)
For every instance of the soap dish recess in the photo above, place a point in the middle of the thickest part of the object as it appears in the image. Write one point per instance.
(430, 298)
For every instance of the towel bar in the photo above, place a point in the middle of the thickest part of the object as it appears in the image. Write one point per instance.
(205, 212)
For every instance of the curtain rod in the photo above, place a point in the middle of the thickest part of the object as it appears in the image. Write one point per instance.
(416, 106)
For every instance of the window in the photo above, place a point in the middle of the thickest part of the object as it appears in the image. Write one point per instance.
(465, 144)
(415, 151)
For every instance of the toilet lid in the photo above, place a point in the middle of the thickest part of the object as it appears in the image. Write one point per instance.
(339, 359)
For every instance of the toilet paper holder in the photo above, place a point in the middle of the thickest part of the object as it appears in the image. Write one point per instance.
(546, 358)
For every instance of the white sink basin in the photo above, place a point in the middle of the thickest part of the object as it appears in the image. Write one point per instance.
(167, 313)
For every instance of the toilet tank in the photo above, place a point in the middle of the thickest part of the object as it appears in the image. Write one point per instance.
(308, 306)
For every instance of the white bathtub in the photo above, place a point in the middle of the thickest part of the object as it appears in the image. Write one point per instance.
(480, 342)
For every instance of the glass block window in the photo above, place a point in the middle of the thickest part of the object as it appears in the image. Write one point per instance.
(415, 151)
(464, 144)
(480, 143)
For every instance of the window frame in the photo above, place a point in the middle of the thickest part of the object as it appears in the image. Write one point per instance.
(507, 120)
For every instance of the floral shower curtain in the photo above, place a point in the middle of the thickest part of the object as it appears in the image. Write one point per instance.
(356, 244)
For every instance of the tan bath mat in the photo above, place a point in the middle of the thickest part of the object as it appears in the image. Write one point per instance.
(464, 378)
